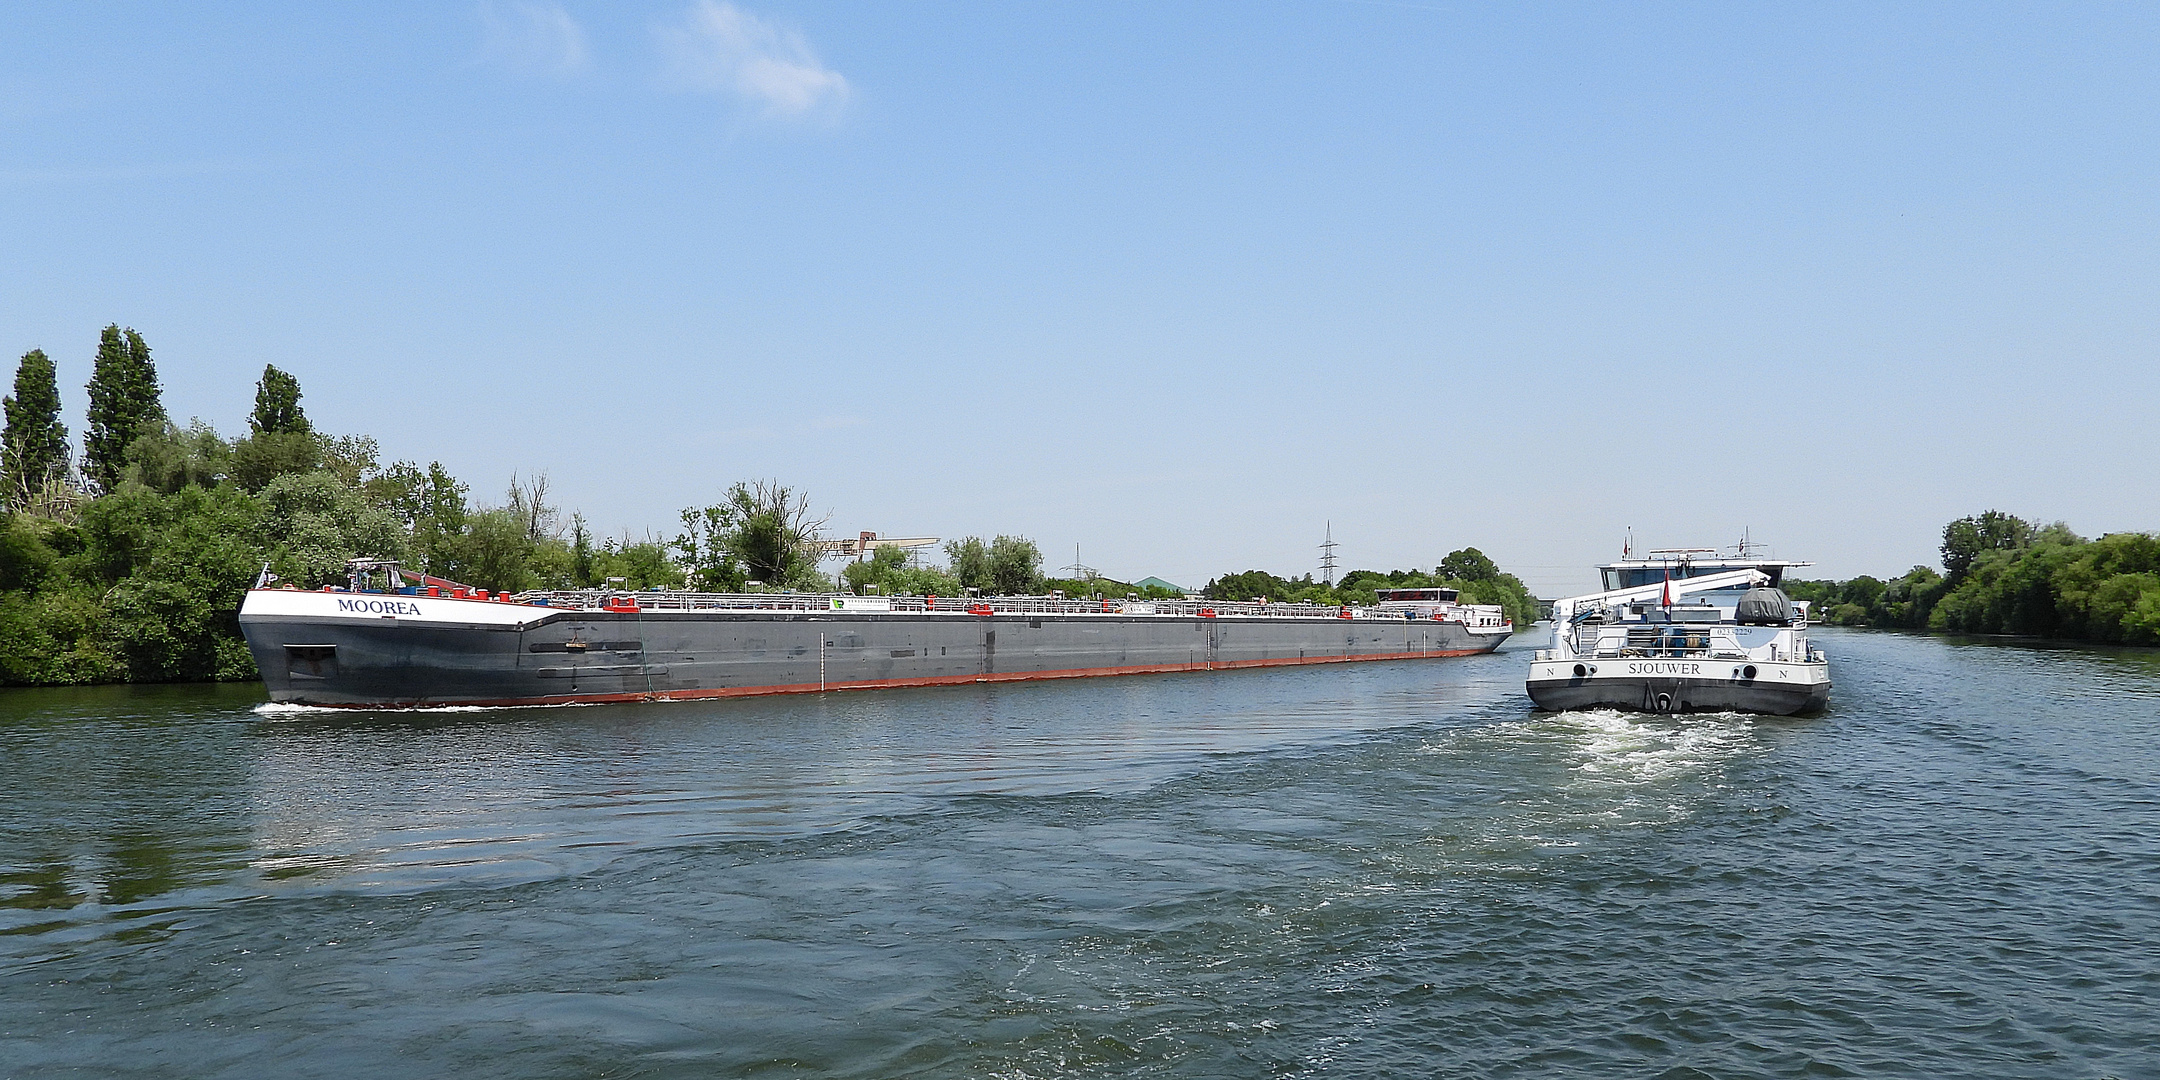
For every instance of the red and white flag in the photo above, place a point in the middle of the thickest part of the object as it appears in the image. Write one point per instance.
(1667, 602)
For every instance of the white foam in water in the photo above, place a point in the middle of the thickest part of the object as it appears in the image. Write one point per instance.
(290, 709)
(1571, 776)
(1625, 748)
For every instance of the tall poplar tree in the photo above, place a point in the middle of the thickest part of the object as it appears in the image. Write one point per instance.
(34, 447)
(277, 404)
(123, 397)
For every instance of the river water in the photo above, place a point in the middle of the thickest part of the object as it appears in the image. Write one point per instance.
(1386, 869)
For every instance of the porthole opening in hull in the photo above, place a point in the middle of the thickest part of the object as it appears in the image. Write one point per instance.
(311, 661)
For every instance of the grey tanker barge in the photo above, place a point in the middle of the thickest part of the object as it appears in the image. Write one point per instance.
(415, 647)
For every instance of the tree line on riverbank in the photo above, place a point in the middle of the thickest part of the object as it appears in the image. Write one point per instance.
(2004, 575)
(1468, 571)
(129, 561)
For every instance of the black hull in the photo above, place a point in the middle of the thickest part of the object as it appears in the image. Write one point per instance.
(1654, 695)
(594, 656)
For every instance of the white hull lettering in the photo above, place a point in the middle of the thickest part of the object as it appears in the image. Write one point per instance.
(1641, 668)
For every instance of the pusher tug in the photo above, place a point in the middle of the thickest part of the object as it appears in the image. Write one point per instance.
(1704, 634)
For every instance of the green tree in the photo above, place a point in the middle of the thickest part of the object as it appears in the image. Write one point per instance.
(1360, 587)
(763, 524)
(265, 456)
(1842, 603)
(1964, 539)
(350, 458)
(2099, 593)
(165, 458)
(494, 552)
(1015, 565)
(398, 491)
(970, 559)
(876, 570)
(1249, 585)
(642, 564)
(277, 404)
(431, 507)
(581, 554)
(281, 442)
(1469, 564)
(887, 570)
(1505, 590)
(57, 637)
(1910, 600)
(27, 555)
(173, 569)
(2012, 586)
(553, 563)
(312, 525)
(2014, 578)
(34, 447)
(124, 397)
(921, 581)
(528, 500)
(705, 545)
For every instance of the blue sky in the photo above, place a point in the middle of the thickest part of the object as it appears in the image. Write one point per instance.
(1178, 283)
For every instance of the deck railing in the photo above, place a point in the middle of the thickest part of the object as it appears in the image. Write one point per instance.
(600, 600)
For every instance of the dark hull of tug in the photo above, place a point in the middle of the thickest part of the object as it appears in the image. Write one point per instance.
(643, 656)
(1655, 695)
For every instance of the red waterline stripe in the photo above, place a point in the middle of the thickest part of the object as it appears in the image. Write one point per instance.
(893, 684)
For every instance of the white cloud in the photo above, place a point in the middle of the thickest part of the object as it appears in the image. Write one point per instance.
(533, 39)
(721, 48)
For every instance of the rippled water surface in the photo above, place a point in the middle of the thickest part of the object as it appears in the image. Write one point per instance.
(1389, 869)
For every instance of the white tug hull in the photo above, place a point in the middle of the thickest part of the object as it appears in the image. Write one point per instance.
(1666, 686)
